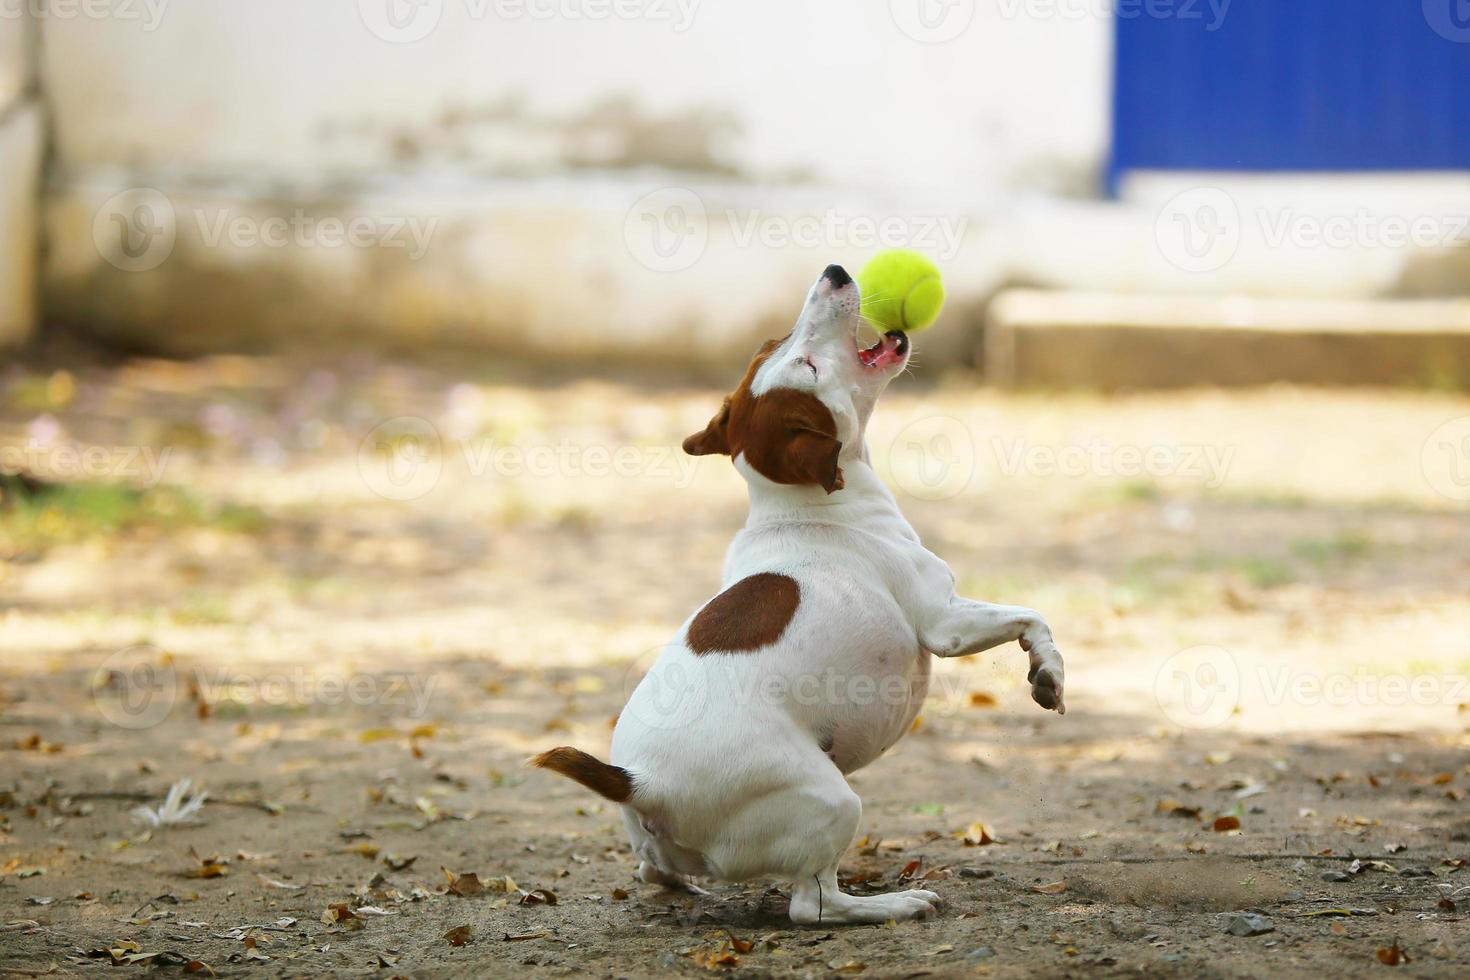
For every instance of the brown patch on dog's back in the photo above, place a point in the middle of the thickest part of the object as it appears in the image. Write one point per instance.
(751, 614)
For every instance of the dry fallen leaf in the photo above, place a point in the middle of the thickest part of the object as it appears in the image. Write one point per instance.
(978, 835)
(1174, 808)
(619, 895)
(1054, 888)
(210, 870)
(980, 699)
(715, 959)
(1393, 955)
(539, 896)
(458, 936)
(341, 914)
(465, 886)
(1225, 823)
(399, 862)
(366, 849)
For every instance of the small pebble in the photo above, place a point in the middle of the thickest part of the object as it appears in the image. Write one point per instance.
(1249, 924)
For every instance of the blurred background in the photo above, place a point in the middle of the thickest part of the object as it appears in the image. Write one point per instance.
(354, 341)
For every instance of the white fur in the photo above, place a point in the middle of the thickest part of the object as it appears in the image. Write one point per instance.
(740, 759)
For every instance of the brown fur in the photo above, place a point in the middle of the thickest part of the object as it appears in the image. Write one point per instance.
(612, 782)
(749, 615)
(787, 436)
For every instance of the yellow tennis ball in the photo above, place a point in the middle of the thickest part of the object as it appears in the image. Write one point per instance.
(901, 290)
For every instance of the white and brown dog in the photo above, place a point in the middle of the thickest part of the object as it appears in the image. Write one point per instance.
(730, 758)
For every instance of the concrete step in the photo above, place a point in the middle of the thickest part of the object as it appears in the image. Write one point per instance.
(1112, 341)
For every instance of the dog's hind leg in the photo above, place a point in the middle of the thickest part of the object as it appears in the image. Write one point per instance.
(815, 896)
(801, 833)
(652, 864)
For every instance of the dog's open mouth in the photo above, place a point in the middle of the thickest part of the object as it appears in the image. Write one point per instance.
(890, 349)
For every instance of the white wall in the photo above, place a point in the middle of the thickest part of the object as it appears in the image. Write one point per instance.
(532, 142)
(830, 89)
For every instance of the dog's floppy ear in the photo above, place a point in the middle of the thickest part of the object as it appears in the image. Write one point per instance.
(797, 441)
(811, 456)
(715, 438)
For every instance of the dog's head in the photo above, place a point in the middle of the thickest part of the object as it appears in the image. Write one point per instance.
(804, 402)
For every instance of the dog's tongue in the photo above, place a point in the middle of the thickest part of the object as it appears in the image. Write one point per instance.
(890, 349)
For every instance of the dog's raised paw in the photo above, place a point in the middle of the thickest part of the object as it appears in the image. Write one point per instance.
(1046, 689)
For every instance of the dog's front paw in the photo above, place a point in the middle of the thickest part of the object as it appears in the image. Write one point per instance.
(1046, 688)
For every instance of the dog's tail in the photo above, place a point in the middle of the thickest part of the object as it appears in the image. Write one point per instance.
(613, 782)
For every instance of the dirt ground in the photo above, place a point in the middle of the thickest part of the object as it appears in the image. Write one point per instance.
(348, 600)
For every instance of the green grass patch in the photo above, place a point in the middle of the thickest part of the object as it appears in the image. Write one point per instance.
(1347, 546)
(37, 516)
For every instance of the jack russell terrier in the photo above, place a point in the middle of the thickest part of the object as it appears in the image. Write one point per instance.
(730, 759)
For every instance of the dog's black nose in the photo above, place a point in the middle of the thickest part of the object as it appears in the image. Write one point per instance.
(837, 276)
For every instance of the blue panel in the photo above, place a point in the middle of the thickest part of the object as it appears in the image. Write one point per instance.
(1291, 85)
